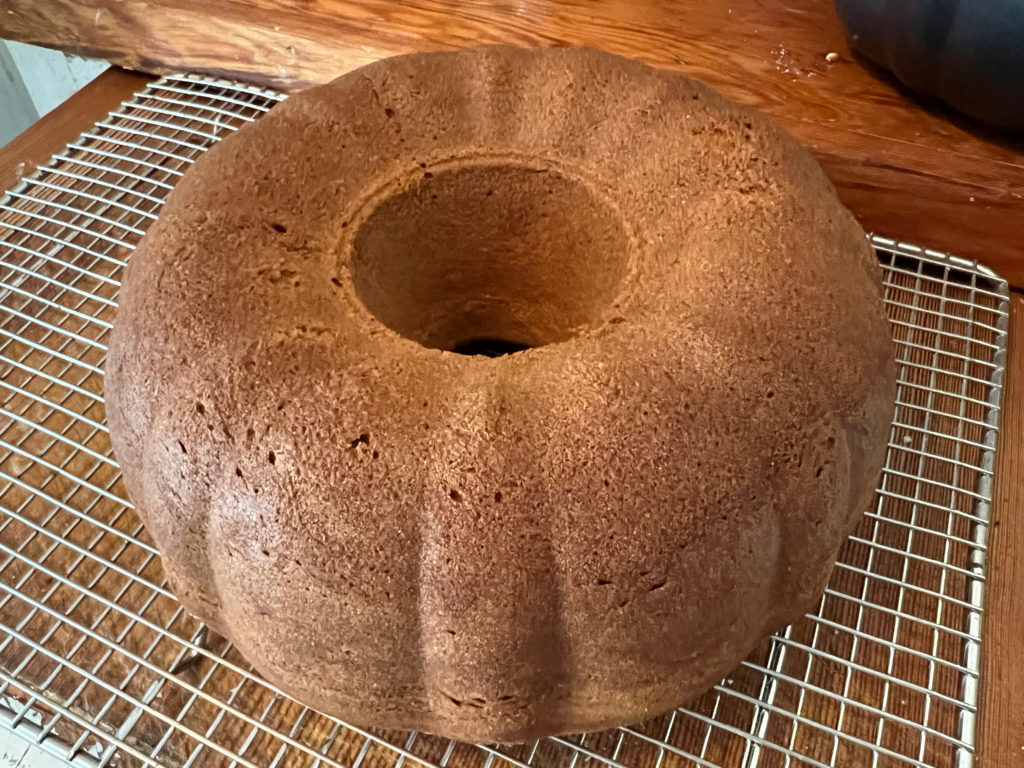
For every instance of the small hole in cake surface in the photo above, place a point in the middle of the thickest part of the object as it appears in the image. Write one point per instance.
(490, 260)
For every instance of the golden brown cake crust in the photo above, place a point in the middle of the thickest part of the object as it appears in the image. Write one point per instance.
(579, 535)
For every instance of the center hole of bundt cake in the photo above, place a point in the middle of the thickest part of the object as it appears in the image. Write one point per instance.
(490, 259)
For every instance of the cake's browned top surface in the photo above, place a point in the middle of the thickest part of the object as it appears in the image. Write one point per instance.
(576, 534)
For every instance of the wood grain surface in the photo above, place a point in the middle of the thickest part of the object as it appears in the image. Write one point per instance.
(904, 166)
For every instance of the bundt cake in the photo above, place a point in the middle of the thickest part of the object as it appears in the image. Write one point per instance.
(501, 392)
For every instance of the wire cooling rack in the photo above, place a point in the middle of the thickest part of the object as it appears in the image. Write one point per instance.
(99, 663)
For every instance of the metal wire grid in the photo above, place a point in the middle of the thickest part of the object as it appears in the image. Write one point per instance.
(99, 663)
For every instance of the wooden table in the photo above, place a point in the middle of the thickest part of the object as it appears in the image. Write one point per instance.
(1001, 729)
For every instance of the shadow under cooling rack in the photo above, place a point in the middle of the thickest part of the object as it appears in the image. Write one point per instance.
(99, 663)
